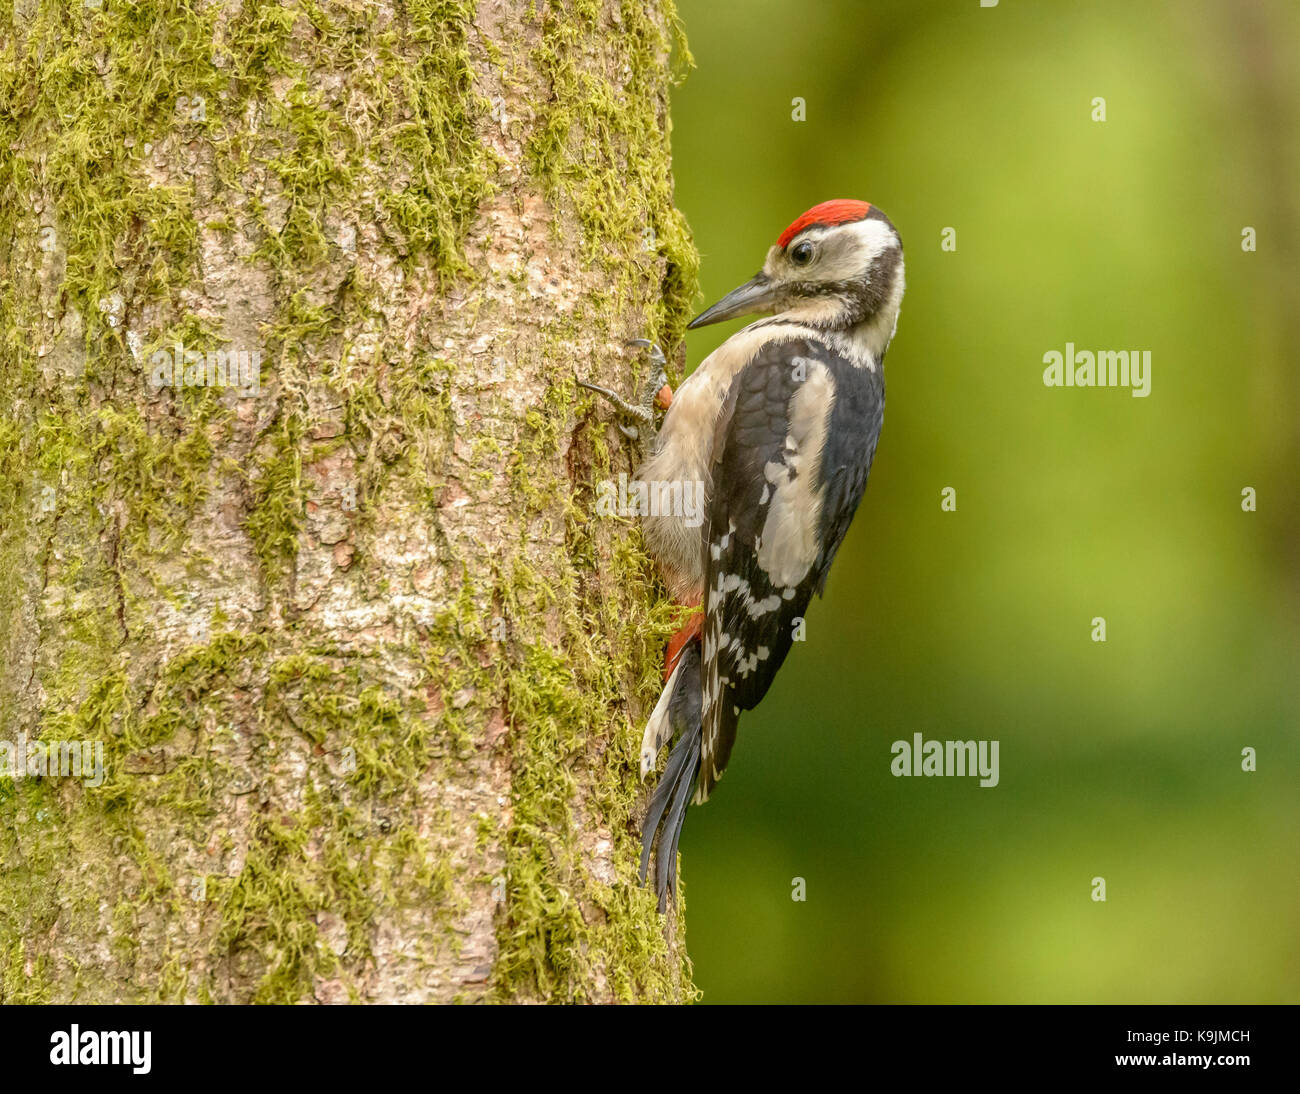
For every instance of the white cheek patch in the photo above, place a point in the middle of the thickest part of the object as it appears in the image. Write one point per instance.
(789, 539)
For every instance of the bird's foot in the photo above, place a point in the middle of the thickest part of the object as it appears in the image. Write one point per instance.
(657, 396)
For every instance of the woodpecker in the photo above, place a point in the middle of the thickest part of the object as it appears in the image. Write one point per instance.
(780, 424)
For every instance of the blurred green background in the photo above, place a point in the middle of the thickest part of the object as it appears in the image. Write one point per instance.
(1120, 760)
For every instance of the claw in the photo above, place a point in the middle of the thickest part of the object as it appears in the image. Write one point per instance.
(615, 398)
(659, 383)
(658, 394)
(656, 354)
(641, 413)
(593, 387)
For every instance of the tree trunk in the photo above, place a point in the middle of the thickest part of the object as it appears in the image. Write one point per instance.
(365, 676)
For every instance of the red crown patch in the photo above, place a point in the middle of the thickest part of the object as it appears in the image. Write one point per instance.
(839, 211)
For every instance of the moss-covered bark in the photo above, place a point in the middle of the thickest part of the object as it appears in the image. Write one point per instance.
(365, 671)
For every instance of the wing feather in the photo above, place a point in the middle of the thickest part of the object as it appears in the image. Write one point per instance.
(792, 453)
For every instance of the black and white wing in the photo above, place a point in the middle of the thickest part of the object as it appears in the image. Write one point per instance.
(793, 449)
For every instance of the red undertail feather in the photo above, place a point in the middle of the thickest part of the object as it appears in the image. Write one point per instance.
(689, 630)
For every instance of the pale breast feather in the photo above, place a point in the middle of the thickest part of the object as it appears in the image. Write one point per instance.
(791, 454)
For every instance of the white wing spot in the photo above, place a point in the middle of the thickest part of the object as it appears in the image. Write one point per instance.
(790, 527)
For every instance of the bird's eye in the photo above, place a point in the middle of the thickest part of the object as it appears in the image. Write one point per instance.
(802, 254)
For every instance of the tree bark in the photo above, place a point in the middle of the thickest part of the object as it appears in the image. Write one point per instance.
(365, 673)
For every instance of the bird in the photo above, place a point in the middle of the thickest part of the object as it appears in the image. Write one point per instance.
(780, 426)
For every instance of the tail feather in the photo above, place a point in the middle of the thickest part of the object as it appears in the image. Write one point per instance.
(666, 864)
(667, 812)
(659, 726)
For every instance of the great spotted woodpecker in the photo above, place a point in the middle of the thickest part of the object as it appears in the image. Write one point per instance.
(780, 425)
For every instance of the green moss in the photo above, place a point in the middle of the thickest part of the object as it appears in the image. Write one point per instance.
(447, 173)
(322, 857)
(559, 927)
(124, 941)
(83, 96)
(462, 667)
(108, 77)
(162, 472)
(279, 500)
(21, 985)
(600, 148)
(568, 713)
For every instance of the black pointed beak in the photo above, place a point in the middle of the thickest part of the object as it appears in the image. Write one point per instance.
(755, 295)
